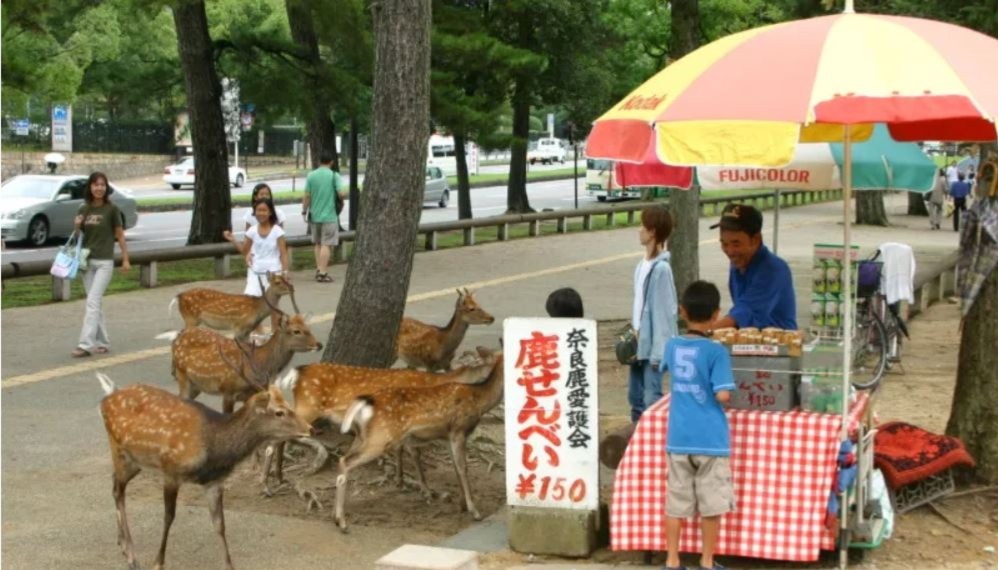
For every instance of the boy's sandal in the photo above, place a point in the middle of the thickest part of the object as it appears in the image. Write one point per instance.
(79, 353)
(324, 278)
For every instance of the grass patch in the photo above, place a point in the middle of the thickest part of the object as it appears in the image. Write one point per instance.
(32, 291)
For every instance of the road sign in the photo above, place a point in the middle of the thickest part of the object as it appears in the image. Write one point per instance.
(246, 119)
(21, 127)
(62, 128)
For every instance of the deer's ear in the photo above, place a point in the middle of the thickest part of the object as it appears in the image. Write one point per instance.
(274, 396)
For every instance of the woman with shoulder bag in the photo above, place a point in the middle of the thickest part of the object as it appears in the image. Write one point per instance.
(654, 311)
(99, 220)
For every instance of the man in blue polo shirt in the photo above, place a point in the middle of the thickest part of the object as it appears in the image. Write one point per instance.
(760, 283)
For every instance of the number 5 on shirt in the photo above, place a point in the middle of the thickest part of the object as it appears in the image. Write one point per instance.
(686, 357)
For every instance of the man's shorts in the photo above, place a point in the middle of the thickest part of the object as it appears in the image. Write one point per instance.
(326, 234)
(699, 484)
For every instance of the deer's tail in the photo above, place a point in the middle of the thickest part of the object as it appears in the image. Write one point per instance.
(360, 411)
(106, 384)
(172, 305)
(168, 335)
(289, 380)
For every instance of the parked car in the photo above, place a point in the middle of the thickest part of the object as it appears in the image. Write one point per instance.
(182, 174)
(547, 151)
(437, 190)
(37, 207)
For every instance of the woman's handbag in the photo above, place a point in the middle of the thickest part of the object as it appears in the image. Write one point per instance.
(69, 259)
(627, 345)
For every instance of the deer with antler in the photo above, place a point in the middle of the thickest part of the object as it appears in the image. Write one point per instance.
(391, 417)
(431, 347)
(149, 428)
(226, 311)
(324, 391)
(203, 359)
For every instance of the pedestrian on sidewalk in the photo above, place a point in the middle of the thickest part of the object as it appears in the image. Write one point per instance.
(937, 199)
(324, 190)
(260, 192)
(101, 224)
(654, 310)
(564, 303)
(959, 190)
(698, 441)
(266, 251)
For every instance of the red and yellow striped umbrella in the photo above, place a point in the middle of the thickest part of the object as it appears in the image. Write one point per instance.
(749, 98)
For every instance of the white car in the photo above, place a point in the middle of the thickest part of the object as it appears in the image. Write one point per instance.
(547, 151)
(182, 174)
(436, 190)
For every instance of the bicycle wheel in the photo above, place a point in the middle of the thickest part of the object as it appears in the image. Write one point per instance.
(869, 354)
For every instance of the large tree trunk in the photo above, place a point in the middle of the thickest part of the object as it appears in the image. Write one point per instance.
(377, 280)
(685, 205)
(870, 209)
(319, 128)
(516, 190)
(212, 213)
(354, 175)
(974, 415)
(916, 205)
(463, 182)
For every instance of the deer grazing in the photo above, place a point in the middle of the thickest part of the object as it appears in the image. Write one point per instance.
(203, 360)
(325, 391)
(396, 416)
(148, 428)
(426, 346)
(226, 311)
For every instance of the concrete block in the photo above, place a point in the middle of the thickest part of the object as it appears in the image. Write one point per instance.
(413, 556)
(469, 236)
(222, 267)
(502, 232)
(431, 241)
(558, 532)
(149, 274)
(562, 225)
(61, 290)
(535, 228)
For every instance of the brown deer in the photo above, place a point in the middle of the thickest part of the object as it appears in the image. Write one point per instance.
(427, 346)
(226, 311)
(395, 416)
(149, 428)
(325, 391)
(202, 360)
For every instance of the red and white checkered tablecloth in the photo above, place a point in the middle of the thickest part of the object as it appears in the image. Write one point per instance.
(782, 466)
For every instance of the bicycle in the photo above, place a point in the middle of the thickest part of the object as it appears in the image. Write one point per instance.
(880, 330)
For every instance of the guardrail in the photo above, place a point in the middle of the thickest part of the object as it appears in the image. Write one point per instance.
(148, 261)
(934, 286)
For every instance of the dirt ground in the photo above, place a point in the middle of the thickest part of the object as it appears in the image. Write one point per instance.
(923, 538)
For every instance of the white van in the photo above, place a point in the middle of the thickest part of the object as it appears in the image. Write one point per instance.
(440, 154)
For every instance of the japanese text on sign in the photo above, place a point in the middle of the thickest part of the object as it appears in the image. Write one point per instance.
(551, 413)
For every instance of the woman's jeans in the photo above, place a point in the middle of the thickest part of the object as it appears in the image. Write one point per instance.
(95, 282)
(935, 214)
(644, 388)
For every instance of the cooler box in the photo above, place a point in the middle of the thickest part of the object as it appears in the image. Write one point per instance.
(766, 378)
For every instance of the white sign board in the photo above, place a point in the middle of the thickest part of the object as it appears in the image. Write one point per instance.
(21, 127)
(552, 413)
(813, 168)
(62, 128)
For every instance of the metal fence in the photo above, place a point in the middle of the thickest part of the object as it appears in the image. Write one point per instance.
(134, 137)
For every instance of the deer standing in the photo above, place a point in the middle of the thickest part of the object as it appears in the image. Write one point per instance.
(431, 347)
(226, 311)
(202, 360)
(188, 442)
(325, 391)
(394, 416)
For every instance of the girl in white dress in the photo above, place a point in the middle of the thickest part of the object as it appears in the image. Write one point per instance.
(265, 249)
(261, 191)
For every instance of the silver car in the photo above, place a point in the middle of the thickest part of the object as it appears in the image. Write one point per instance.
(36, 207)
(437, 189)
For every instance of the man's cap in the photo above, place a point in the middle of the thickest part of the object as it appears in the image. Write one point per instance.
(740, 218)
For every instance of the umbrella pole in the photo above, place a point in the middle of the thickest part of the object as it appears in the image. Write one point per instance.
(847, 325)
(776, 223)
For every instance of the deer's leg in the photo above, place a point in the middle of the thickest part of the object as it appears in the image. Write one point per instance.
(400, 456)
(124, 471)
(420, 476)
(359, 454)
(459, 450)
(228, 403)
(214, 494)
(170, 489)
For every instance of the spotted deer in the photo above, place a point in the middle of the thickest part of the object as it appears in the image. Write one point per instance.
(431, 347)
(149, 428)
(231, 312)
(396, 416)
(324, 391)
(203, 360)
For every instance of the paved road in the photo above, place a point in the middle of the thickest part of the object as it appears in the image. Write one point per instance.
(169, 229)
(57, 508)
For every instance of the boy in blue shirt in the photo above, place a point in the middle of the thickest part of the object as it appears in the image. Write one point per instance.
(698, 443)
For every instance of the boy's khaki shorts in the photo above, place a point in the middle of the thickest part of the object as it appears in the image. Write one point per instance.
(699, 484)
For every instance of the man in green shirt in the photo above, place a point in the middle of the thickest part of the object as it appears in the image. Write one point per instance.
(322, 187)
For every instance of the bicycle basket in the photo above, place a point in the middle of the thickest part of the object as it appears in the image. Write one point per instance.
(868, 278)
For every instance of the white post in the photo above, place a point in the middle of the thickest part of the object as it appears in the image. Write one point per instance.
(846, 321)
(236, 144)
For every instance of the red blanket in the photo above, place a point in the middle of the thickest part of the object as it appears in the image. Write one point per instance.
(907, 453)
